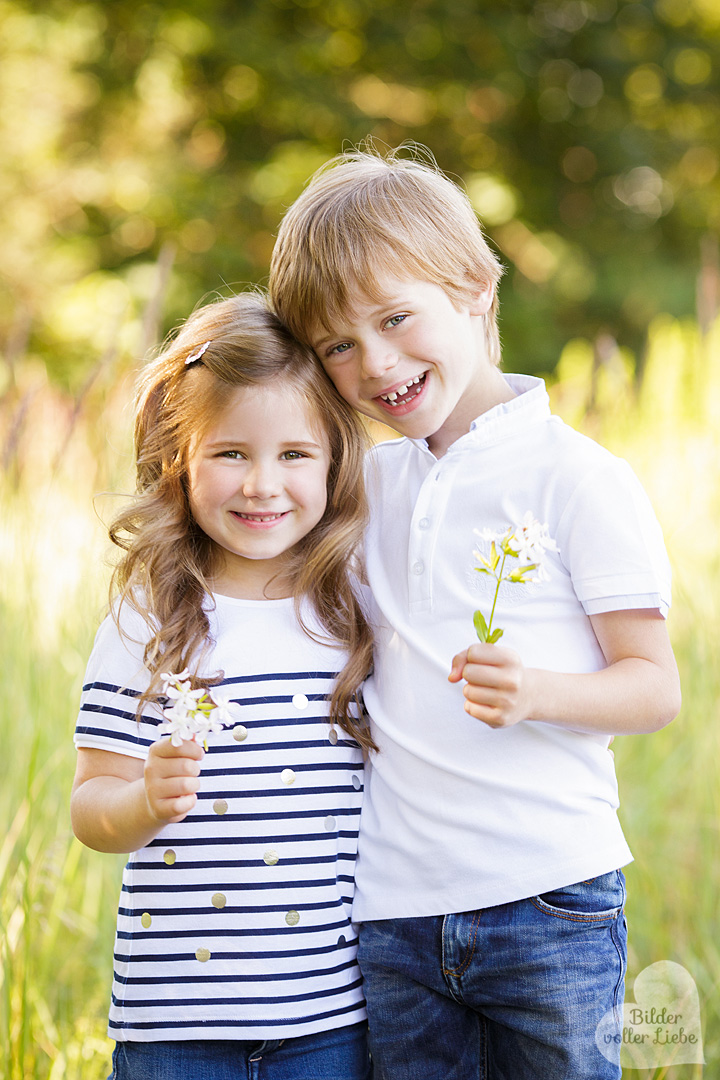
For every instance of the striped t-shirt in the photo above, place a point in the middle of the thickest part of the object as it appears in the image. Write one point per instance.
(235, 923)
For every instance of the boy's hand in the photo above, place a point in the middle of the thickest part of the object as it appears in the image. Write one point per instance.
(496, 689)
(172, 779)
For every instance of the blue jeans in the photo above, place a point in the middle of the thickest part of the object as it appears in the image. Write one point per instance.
(513, 992)
(329, 1055)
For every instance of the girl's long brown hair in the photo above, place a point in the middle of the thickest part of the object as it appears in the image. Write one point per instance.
(168, 561)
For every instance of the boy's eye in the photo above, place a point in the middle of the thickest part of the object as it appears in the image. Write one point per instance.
(339, 349)
(395, 320)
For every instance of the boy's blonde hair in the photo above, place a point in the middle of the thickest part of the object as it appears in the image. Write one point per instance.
(365, 214)
(168, 561)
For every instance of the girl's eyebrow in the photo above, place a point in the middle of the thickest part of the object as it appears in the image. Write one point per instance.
(288, 444)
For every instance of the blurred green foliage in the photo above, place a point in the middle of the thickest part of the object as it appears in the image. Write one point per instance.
(586, 132)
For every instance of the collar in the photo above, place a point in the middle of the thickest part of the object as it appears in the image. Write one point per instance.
(530, 405)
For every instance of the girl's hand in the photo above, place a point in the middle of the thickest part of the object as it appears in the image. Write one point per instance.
(497, 685)
(172, 779)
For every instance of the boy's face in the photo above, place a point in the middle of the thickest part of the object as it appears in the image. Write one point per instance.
(413, 360)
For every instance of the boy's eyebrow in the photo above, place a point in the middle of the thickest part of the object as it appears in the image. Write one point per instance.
(386, 303)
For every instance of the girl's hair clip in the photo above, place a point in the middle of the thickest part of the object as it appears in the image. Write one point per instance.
(198, 355)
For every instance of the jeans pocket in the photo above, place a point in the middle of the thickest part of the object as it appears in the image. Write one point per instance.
(599, 900)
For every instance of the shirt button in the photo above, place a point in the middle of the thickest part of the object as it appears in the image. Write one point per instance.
(418, 568)
(424, 523)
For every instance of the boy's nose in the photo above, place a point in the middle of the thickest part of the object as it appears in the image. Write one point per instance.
(377, 359)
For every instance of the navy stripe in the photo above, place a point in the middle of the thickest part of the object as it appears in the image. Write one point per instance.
(280, 676)
(256, 886)
(265, 931)
(233, 1023)
(111, 689)
(130, 1003)
(230, 909)
(116, 736)
(274, 977)
(279, 954)
(155, 868)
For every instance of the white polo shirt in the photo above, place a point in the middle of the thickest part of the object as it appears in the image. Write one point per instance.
(457, 815)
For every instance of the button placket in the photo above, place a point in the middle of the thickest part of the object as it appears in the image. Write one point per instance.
(426, 519)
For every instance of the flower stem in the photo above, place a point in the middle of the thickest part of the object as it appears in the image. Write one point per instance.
(497, 590)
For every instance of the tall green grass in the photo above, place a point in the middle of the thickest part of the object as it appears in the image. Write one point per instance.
(58, 900)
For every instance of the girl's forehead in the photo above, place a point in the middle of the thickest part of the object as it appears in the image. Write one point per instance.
(278, 407)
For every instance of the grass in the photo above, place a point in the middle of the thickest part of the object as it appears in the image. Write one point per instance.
(58, 900)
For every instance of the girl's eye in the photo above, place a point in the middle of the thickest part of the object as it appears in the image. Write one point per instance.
(234, 455)
(292, 455)
(395, 320)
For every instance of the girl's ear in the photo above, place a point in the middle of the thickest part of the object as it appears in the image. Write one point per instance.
(481, 301)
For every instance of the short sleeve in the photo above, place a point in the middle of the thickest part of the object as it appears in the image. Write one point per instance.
(114, 680)
(612, 545)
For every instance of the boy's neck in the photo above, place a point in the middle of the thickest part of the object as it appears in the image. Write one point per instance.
(479, 399)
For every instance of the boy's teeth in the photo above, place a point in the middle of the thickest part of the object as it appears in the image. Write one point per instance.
(392, 397)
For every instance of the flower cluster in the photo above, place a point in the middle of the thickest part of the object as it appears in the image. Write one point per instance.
(525, 544)
(193, 714)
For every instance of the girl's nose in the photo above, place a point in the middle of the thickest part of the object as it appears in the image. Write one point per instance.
(261, 481)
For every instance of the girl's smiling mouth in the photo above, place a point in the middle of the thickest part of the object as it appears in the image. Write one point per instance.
(259, 519)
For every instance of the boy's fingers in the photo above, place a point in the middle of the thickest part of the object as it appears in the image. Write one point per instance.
(493, 655)
(456, 668)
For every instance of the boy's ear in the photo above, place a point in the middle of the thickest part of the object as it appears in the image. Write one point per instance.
(481, 301)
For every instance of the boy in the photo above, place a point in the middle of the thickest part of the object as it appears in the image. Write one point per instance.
(492, 936)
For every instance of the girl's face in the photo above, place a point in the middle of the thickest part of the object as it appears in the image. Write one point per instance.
(258, 485)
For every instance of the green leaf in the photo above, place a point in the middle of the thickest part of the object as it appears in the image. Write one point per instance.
(481, 627)
(495, 636)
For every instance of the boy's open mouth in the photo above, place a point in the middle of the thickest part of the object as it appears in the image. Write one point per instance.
(403, 394)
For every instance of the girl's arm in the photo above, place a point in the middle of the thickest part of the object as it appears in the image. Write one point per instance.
(120, 803)
(638, 691)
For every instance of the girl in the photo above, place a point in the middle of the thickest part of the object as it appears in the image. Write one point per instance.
(235, 954)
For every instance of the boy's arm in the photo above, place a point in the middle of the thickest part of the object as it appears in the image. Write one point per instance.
(638, 691)
(120, 803)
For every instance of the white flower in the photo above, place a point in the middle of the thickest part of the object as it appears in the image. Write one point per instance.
(225, 711)
(530, 540)
(527, 543)
(193, 714)
(169, 680)
(179, 724)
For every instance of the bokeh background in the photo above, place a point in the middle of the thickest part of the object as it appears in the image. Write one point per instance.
(147, 152)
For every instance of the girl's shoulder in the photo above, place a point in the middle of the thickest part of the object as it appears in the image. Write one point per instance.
(119, 645)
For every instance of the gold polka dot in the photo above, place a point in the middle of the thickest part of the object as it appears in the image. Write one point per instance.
(330, 823)
(220, 806)
(146, 919)
(333, 736)
(287, 776)
(203, 955)
(169, 857)
(300, 701)
(271, 858)
(240, 733)
(219, 900)
(292, 918)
